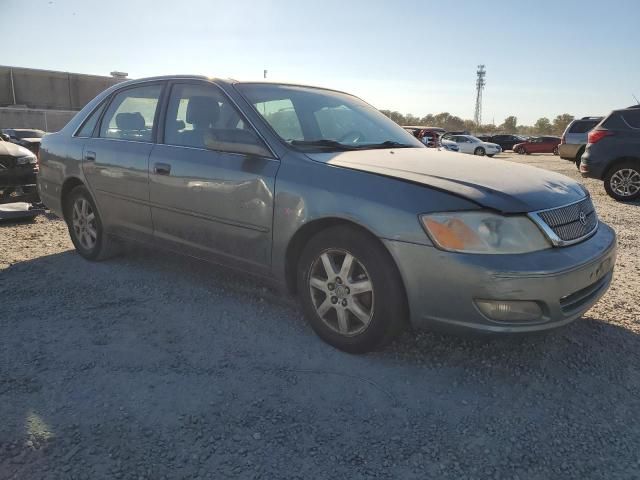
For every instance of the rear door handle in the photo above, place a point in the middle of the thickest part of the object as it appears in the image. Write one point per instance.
(162, 168)
(90, 156)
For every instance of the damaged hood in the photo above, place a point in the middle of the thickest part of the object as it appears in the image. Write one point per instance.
(497, 184)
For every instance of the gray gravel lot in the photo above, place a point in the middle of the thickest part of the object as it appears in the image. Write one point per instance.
(151, 366)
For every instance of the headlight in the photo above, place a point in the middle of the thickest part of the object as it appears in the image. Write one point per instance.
(483, 232)
(26, 160)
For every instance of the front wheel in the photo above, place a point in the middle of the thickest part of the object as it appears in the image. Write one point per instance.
(85, 226)
(350, 290)
(479, 151)
(622, 182)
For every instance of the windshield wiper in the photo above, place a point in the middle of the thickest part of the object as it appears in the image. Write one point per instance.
(387, 144)
(323, 143)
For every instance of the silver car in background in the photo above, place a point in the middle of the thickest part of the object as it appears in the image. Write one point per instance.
(319, 192)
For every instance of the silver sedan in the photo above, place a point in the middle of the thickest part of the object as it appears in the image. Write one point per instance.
(317, 191)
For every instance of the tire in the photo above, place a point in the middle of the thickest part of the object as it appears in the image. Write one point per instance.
(622, 181)
(555, 151)
(519, 150)
(479, 151)
(85, 226)
(352, 322)
(490, 155)
(579, 157)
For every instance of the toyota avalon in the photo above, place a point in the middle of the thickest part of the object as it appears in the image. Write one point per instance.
(321, 193)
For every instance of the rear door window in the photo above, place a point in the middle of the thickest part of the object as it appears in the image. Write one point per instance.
(131, 114)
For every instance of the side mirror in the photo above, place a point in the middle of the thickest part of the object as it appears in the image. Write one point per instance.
(237, 141)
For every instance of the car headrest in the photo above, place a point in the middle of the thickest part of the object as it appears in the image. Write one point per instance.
(130, 121)
(202, 111)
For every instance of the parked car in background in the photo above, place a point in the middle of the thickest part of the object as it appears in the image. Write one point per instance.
(612, 154)
(321, 193)
(449, 145)
(538, 145)
(432, 137)
(473, 145)
(25, 137)
(506, 141)
(18, 168)
(574, 138)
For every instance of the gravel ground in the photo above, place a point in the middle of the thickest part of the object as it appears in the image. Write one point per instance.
(148, 366)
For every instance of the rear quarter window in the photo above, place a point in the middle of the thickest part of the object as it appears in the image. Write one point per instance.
(632, 117)
(583, 126)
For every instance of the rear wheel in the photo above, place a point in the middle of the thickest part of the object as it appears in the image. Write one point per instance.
(622, 182)
(479, 151)
(85, 226)
(351, 291)
(555, 151)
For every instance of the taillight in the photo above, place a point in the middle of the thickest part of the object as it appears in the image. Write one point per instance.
(596, 135)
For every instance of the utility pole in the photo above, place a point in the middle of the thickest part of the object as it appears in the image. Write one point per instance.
(480, 83)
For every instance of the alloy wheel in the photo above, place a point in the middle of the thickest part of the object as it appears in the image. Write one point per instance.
(83, 220)
(625, 182)
(342, 292)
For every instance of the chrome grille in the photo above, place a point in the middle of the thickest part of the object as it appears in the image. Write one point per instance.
(569, 224)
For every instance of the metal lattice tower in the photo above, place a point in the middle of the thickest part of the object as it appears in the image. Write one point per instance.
(480, 83)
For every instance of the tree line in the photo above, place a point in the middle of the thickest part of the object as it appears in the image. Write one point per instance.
(543, 126)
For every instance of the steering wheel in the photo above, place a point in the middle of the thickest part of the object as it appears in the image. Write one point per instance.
(353, 136)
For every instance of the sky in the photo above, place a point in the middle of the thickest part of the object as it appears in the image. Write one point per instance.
(543, 58)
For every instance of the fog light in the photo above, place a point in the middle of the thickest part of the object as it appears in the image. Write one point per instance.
(510, 310)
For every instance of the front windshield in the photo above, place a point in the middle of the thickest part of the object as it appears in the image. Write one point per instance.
(29, 134)
(316, 119)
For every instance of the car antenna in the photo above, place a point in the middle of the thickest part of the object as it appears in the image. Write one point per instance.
(636, 99)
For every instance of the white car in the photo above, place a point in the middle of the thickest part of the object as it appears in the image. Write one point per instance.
(449, 145)
(473, 145)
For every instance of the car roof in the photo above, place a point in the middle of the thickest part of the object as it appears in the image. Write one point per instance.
(228, 81)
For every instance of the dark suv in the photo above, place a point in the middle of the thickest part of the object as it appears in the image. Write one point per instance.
(613, 154)
(505, 141)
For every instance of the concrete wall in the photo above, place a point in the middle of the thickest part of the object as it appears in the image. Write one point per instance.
(46, 99)
(47, 120)
(48, 89)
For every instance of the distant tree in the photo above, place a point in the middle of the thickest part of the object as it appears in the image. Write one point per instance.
(510, 125)
(543, 126)
(410, 119)
(395, 116)
(470, 126)
(488, 129)
(427, 120)
(561, 122)
(448, 122)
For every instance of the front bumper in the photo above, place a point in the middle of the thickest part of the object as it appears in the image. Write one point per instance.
(18, 184)
(565, 282)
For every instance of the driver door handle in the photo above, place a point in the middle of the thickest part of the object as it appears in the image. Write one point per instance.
(162, 168)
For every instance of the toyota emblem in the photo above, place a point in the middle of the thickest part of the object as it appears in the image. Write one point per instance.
(583, 218)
